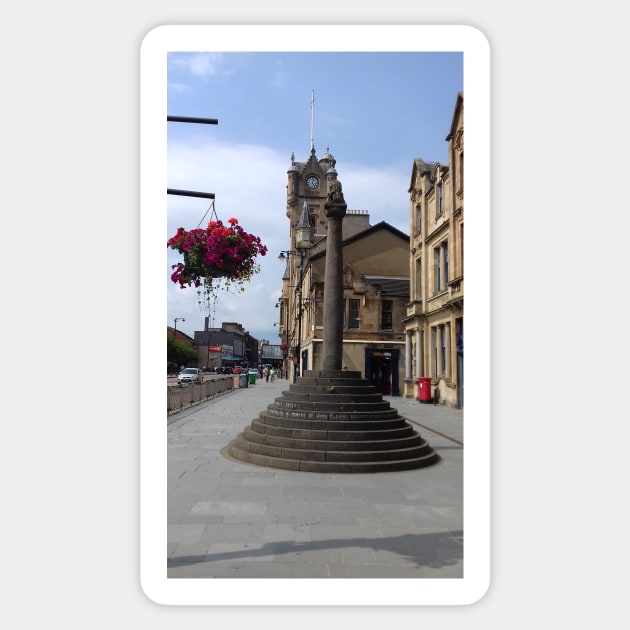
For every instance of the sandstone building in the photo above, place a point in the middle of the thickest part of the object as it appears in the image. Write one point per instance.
(403, 295)
(434, 322)
(376, 283)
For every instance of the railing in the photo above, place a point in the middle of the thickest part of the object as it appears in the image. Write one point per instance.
(182, 396)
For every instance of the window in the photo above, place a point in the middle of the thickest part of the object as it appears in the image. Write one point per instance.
(418, 290)
(439, 350)
(387, 315)
(445, 252)
(443, 348)
(440, 254)
(353, 313)
(418, 218)
(438, 269)
(439, 191)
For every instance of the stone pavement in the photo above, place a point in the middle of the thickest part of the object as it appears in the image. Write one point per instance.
(228, 519)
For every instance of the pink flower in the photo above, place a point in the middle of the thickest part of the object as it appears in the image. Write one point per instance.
(216, 252)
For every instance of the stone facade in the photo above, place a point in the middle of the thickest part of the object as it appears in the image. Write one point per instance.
(228, 346)
(375, 283)
(434, 322)
(403, 296)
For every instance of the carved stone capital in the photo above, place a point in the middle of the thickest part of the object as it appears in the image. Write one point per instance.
(335, 210)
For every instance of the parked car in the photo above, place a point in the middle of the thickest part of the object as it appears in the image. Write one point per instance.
(190, 375)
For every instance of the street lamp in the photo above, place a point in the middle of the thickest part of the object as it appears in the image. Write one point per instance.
(298, 301)
(285, 344)
(177, 319)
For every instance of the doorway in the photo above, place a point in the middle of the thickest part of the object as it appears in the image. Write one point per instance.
(459, 328)
(381, 370)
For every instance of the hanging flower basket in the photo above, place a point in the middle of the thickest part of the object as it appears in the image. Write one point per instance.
(216, 252)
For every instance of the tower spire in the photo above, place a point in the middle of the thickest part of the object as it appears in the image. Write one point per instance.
(304, 230)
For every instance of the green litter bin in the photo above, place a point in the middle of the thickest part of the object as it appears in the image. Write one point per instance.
(252, 378)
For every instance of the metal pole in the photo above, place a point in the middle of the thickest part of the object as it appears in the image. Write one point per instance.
(189, 193)
(192, 119)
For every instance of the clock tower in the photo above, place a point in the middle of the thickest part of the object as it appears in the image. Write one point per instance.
(307, 189)
(308, 186)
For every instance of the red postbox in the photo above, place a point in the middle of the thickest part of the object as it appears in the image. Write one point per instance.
(424, 389)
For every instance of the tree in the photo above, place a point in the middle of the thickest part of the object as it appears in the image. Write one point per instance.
(179, 353)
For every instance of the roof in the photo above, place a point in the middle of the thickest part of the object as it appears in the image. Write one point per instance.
(420, 166)
(390, 286)
(382, 225)
(459, 104)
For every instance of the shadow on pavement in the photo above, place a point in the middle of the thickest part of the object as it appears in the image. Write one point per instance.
(432, 550)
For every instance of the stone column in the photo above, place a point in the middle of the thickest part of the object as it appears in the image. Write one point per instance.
(447, 353)
(407, 354)
(419, 355)
(332, 347)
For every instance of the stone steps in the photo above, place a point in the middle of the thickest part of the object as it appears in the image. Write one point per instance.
(332, 422)
(356, 426)
(331, 467)
(330, 404)
(327, 455)
(340, 441)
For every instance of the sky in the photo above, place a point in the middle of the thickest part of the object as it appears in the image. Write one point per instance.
(374, 111)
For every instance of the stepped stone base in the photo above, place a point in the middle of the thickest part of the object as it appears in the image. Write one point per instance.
(332, 422)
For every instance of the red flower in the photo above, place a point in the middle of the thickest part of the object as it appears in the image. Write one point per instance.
(216, 252)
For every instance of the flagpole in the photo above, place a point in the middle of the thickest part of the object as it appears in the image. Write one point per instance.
(312, 117)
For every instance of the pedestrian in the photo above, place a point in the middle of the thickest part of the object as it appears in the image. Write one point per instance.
(273, 374)
(266, 374)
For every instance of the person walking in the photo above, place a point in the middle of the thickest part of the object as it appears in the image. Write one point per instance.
(266, 373)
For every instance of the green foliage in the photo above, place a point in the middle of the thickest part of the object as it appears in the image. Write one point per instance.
(179, 353)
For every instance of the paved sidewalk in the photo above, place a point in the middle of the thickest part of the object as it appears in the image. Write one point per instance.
(229, 519)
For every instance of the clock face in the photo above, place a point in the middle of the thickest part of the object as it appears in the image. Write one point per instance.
(312, 182)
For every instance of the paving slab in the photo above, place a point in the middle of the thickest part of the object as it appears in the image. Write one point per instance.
(228, 519)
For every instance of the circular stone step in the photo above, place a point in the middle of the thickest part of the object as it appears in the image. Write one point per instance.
(331, 421)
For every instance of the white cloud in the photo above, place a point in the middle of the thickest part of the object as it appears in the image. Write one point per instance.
(278, 79)
(381, 191)
(179, 87)
(249, 182)
(202, 64)
(249, 185)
